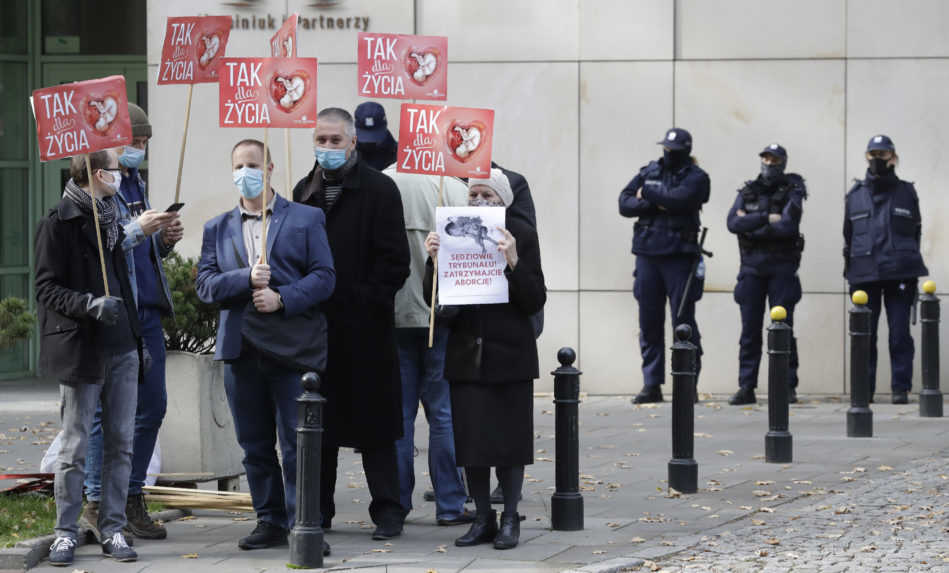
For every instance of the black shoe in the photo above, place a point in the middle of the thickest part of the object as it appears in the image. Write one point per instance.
(387, 531)
(265, 535)
(792, 395)
(648, 394)
(466, 516)
(743, 396)
(510, 531)
(326, 549)
(326, 523)
(899, 398)
(483, 530)
(139, 523)
(695, 397)
(429, 495)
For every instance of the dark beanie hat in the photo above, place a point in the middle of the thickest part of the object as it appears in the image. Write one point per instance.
(140, 125)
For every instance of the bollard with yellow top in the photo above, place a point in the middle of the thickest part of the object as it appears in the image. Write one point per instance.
(778, 441)
(930, 397)
(859, 416)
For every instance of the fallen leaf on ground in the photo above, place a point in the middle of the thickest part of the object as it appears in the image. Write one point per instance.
(724, 452)
(766, 509)
(637, 540)
(745, 507)
(442, 549)
(668, 543)
(764, 482)
(885, 468)
(761, 493)
(763, 553)
(382, 551)
(773, 541)
(757, 522)
(701, 435)
(187, 518)
(599, 552)
(190, 556)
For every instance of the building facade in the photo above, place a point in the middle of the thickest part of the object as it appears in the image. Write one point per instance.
(582, 90)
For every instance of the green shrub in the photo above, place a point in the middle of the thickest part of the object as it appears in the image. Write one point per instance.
(194, 326)
(16, 321)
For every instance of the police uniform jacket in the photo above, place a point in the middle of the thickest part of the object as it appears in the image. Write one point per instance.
(882, 229)
(769, 248)
(668, 212)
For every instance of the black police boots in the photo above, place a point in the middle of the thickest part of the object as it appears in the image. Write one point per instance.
(792, 395)
(649, 394)
(743, 396)
(899, 398)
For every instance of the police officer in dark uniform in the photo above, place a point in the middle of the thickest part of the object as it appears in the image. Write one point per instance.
(766, 217)
(882, 229)
(666, 197)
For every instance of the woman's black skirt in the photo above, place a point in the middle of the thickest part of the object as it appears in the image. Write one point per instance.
(493, 423)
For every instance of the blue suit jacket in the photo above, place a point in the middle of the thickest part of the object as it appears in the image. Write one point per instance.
(301, 270)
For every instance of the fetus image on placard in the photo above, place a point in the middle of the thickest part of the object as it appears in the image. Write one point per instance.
(211, 45)
(288, 47)
(107, 110)
(294, 91)
(427, 62)
(471, 227)
(470, 140)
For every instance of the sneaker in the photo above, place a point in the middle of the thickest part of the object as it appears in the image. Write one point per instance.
(139, 522)
(648, 394)
(265, 535)
(743, 396)
(899, 397)
(116, 548)
(89, 520)
(62, 552)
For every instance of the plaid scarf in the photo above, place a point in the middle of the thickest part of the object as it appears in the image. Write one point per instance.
(105, 208)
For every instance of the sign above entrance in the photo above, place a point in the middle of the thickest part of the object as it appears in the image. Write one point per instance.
(268, 92)
(400, 66)
(81, 117)
(193, 48)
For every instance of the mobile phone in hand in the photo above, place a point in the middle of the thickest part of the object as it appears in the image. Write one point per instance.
(175, 207)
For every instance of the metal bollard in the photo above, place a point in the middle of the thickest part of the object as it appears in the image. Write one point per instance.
(306, 538)
(777, 442)
(859, 416)
(930, 397)
(683, 470)
(566, 504)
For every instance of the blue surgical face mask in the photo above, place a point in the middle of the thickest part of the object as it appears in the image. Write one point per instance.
(132, 157)
(330, 159)
(249, 182)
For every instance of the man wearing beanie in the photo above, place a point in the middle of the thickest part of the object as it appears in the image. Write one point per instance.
(150, 236)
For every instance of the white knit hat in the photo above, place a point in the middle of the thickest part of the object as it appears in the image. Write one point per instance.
(499, 183)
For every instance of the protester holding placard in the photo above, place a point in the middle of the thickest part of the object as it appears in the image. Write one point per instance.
(150, 236)
(375, 143)
(491, 363)
(422, 368)
(363, 388)
(270, 331)
(91, 343)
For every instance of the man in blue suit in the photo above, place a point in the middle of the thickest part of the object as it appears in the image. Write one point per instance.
(271, 328)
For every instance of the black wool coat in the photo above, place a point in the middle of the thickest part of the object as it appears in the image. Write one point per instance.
(495, 343)
(67, 269)
(366, 231)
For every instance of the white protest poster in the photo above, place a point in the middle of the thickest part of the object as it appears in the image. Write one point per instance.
(470, 267)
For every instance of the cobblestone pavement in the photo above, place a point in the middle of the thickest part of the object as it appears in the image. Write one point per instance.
(879, 520)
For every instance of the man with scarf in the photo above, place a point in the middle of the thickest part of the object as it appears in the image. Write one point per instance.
(366, 229)
(666, 196)
(150, 236)
(766, 217)
(91, 343)
(882, 230)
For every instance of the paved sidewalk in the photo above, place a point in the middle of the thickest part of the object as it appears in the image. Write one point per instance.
(629, 515)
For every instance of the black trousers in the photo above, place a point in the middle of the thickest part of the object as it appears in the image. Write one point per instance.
(382, 472)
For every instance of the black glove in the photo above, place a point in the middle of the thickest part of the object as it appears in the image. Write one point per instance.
(105, 309)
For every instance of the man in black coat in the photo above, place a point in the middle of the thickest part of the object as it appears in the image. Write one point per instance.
(91, 343)
(366, 231)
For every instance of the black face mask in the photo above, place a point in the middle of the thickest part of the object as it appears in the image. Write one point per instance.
(878, 166)
(675, 157)
(771, 173)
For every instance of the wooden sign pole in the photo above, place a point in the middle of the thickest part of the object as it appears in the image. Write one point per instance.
(95, 218)
(263, 208)
(184, 139)
(431, 315)
(286, 143)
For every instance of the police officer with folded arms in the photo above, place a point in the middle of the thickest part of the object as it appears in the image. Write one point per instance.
(882, 229)
(766, 216)
(666, 197)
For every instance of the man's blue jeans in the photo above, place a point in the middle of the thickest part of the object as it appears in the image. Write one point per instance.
(423, 380)
(152, 402)
(262, 394)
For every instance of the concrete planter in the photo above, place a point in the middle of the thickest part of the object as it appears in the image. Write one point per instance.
(197, 436)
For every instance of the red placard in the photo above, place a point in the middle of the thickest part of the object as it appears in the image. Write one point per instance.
(443, 140)
(400, 66)
(283, 44)
(193, 47)
(82, 117)
(268, 92)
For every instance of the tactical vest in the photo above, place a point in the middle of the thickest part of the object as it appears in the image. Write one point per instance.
(755, 201)
(664, 233)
